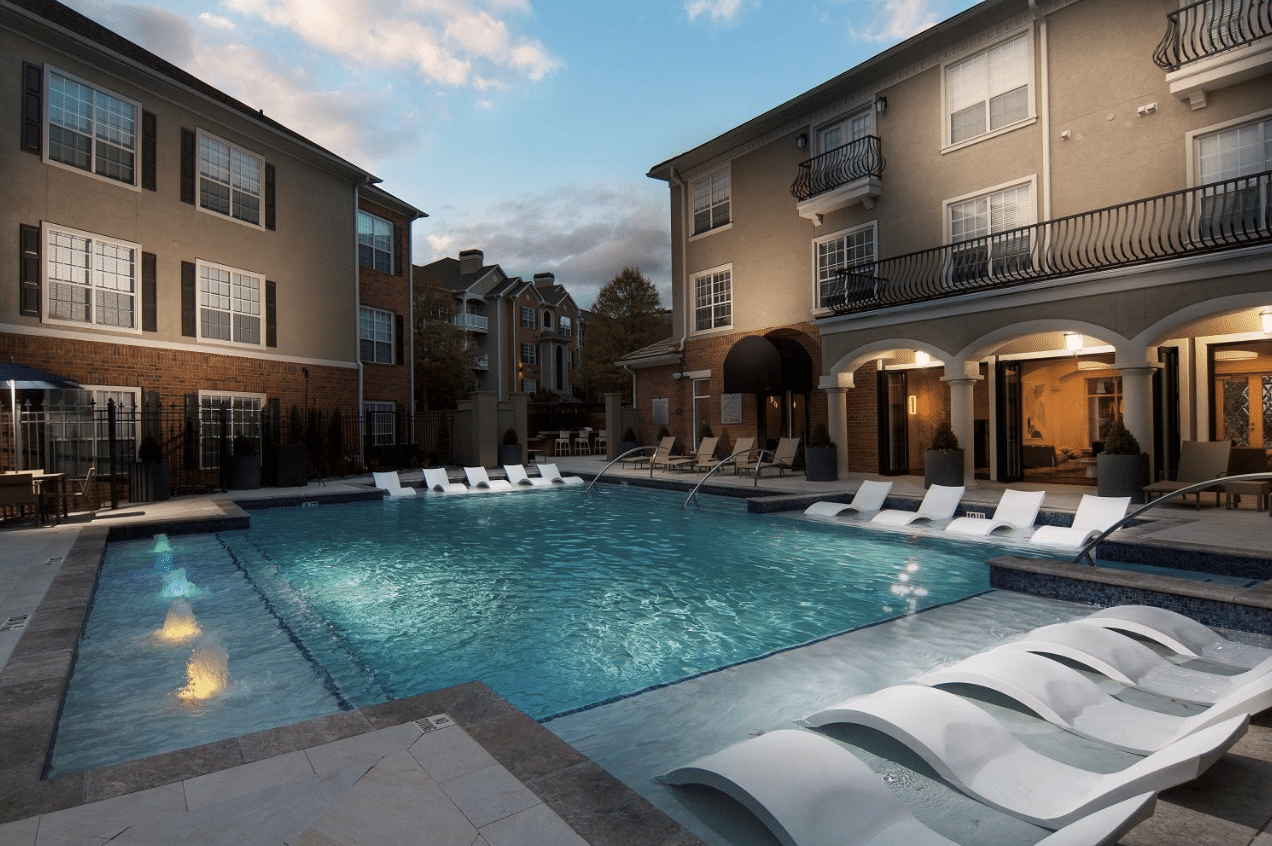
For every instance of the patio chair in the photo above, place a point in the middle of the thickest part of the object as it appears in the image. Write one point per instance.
(554, 477)
(1095, 515)
(518, 477)
(438, 482)
(976, 754)
(1129, 662)
(390, 482)
(479, 479)
(1199, 461)
(867, 500)
(1069, 699)
(1179, 633)
(1243, 460)
(743, 459)
(810, 791)
(1016, 510)
(662, 455)
(700, 459)
(17, 491)
(783, 457)
(562, 445)
(939, 503)
(82, 495)
(600, 444)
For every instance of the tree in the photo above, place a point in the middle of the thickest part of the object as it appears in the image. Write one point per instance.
(443, 365)
(626, 316)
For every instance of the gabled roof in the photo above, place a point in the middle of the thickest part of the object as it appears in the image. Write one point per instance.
(378, 195)
(444, 273)
(661, 353)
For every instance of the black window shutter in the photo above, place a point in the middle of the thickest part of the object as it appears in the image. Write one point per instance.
(149, 140)
(149, 284)
(270, 211)
(29, 269)
(271, 314)
(399, 338)
(188, 159)
(32, 108)
(189, 314)
(397, 250)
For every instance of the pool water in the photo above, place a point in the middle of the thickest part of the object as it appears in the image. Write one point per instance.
(557, 599)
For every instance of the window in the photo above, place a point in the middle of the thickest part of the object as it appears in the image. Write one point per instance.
(713, 300)
(565, 325)
(375, 243)
(91, 129)
(547, 320)
(988, 91)
(711, 201)
(529, 386)
(229, 305)
(91, 279)
(229, 180)
(1230, 154)
(529, 353)
(527, 317)
(375, 335)
(977, 220)
(841, 251)
(244, 421)
(844, 132)
(77, 430)
(381, 422)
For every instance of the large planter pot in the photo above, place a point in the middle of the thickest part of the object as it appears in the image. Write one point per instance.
(510, 454)
(245, 472)
(149, 481)
(292, 466)
(821, 464)
(943, 467)
(1122, 475)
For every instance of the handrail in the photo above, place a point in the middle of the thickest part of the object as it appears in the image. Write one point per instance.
(855, 160)
(1085, 551)
(615, 461)
(693, 494)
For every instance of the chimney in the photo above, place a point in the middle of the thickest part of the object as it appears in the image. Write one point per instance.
(471, 261)
(544, 280)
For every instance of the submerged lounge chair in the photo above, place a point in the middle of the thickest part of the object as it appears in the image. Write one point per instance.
(518, 477)
(1095, 514)
(478, 478)
(938, 503)
(977, 754)
(437, 481)
(1065, 697)
(1129, 662)
(1016, 510)
(554, 477)
(1177, 632)
(810, 791)
(390, 482)
(867, 500)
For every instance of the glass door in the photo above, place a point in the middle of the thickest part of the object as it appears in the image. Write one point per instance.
(1010, 448)
(894, 441)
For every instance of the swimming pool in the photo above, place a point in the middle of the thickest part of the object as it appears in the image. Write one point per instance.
(558, 599)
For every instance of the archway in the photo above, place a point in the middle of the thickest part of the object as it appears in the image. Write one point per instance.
(778, 371)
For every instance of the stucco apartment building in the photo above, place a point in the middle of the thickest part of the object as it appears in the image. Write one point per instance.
(1029, 219)
(168, 246)
(524, 335)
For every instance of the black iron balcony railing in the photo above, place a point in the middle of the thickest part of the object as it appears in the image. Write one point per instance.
(1211, 218)
(1212, 27)
(857, 160)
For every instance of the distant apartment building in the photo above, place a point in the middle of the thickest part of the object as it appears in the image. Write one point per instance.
(524, 335)
(1029, 220)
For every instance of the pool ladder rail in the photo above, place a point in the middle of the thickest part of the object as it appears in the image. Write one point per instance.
(694, 493)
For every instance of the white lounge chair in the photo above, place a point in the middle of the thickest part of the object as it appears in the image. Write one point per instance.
(1129, 662)
(1016, 510)
(518, 478)
(1065, 697)
(867, 500)
(1095, 514)
(810, 791)
(1179, 633)
(554, 477)
(479, 479)
(437, 480)
(978, 755)
(390, 482)
(938, 503)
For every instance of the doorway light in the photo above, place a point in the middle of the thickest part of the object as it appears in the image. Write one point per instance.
(1266, 319)
(913, 404)
(1073, 341)
(921, 358)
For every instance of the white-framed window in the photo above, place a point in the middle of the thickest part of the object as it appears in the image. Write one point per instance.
(375, 242)
(565, 326)
(529, 353)
(529, 386)
(841, 249)
(975, 221)
(713, 299)
(77, 430)
(989, 91)
(229, 305)
(527, 317)
(90, 279)
(381, 422)
(375, 335)
(230, 179)
(1230, 154)
(244, 419)
(841, 132)
(711, 206)
(547, 319)
(90, 128)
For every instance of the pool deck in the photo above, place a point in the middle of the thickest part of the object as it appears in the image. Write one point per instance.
(458, 766)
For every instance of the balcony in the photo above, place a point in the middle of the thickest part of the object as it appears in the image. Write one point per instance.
(839, 178)
(557, 334)
(1213, 44)
(474, 322)
(481, 362)
(1209, 219)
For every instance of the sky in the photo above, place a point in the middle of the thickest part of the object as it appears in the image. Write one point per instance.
(523, 128)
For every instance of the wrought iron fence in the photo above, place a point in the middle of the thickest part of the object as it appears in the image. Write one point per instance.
(1211, 27)
(1211, 218)
(857, 160)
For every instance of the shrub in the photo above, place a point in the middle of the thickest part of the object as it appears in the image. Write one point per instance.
(820, 437)
(510, 437)
(150, 450)
(1120, 441)
(945, 440)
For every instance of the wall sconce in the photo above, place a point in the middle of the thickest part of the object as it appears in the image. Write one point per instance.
(801, 140)
(881, 104)
(1073, 341)
(1266, 319)
(921, 358)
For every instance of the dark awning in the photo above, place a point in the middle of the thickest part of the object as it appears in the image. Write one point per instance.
(759, 365)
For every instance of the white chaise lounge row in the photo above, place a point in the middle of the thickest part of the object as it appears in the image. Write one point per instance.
(810, 790)
(436, 480)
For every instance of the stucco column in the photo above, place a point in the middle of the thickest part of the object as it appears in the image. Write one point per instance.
(962, 421)
(836, 387)
(1137, 401)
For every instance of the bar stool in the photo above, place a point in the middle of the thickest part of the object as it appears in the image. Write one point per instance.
(600, 444)
(582, 446)
(562, 445)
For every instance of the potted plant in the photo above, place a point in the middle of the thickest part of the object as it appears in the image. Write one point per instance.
(150, 476)
(820, 457)
(1121, 468)
(510, 449)
(943, 461)
(245, 465)
(292, 466)
(628, 443)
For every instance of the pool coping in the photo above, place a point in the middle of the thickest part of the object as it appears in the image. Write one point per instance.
(33, 683)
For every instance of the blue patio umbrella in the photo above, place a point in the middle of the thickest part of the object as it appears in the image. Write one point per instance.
(21, 377)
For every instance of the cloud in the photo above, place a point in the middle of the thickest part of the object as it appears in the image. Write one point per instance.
(216, 21)
(716, 10)
(898, 20)
(160, 31)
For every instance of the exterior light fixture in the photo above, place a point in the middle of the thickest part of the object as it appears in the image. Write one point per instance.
(801, 140)
(1073, 341)
(1266, 319)
(912, 404)
(881, 104)
(921, 358)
